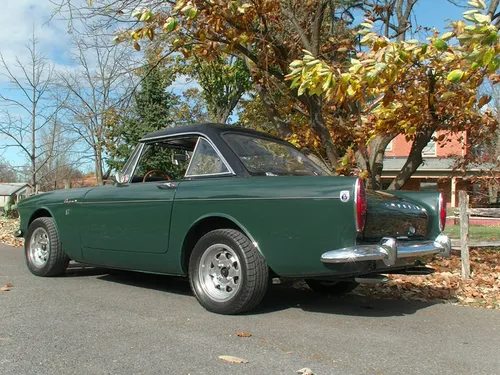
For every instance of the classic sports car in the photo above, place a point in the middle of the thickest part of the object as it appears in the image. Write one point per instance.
(232, 208)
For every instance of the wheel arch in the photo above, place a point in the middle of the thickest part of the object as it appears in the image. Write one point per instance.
(205, 224)
(40, 212)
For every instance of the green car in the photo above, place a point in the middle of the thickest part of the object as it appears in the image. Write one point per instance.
(231, 209)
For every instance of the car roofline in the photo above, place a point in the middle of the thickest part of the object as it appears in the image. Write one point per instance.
(207, 129)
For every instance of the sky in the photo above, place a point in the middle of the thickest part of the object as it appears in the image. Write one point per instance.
(20, 18)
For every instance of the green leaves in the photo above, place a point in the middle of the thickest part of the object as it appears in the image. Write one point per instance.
(440, 44)
(455, 76)
(170, 24)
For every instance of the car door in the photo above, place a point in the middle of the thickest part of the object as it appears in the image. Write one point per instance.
(128, 218)
(127, 224)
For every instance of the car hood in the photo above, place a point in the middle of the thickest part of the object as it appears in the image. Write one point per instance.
(56, 196)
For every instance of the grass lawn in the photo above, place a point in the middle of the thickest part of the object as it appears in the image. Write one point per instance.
(476, 232)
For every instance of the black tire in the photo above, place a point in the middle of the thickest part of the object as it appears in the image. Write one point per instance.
(334, 288)
(52, 261)
(243, 279)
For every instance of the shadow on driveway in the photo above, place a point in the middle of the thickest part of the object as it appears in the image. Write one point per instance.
(279, 297)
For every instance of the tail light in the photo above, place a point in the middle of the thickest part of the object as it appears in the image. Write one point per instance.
(442, 212)
(360, 204)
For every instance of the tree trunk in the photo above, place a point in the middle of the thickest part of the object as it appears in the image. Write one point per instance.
(272, 112)
(98, 166)
(317, 123)
(414, 158)
(377, 148)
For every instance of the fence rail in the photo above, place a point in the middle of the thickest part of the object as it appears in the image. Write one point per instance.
(466, 214)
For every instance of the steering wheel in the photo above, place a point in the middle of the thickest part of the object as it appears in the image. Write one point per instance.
(155, 171)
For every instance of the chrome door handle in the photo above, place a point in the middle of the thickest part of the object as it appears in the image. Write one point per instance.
(167, 185)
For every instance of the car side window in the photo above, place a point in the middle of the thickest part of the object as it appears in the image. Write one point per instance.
(205, 161)
(164, 160)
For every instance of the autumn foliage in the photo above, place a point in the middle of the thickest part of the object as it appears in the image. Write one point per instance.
(343, 91)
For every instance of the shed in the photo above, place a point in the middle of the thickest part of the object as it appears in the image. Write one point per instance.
(16, 190)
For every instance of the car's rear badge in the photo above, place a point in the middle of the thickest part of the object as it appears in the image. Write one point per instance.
(344, 195)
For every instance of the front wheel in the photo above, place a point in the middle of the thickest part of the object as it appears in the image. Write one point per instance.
(44, 253)
(334, 288)
(227, 273)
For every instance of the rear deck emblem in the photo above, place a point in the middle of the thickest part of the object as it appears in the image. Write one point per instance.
(344, 195)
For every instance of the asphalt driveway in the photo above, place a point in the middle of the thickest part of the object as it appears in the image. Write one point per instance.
(96, 322)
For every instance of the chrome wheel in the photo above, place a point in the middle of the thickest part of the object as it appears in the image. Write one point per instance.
(39, 247)
(220, 272)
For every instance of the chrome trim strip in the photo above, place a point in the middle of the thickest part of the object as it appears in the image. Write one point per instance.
(389, 250)
(253, 198)
(128, 201)
(170, 136)
(192, 156)
(134, 166)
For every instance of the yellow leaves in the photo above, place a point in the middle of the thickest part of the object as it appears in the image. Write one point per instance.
(146, 16)
(480, 4)
(326, 86)
(488, 56)
(482, 18)
(447, 36)
(243, 8)
(494, 65)
(448, 95)
(137, 46)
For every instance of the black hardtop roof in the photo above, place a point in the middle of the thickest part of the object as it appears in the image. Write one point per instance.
(208, 129)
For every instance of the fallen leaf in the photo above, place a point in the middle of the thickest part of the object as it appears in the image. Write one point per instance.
(231, 359)
(305, 371)
(6, 287)
(243, 334)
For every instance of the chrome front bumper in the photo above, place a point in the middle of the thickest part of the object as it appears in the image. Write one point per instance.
(389, 250)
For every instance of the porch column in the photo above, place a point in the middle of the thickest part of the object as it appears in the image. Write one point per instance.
(453, 192)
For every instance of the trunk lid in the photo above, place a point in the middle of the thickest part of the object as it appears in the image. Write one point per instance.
(390, 216)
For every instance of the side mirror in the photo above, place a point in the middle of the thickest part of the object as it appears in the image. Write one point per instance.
(120, 178)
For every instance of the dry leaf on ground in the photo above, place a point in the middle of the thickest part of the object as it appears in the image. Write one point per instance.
(6, 288)
(243, 334)
(7, 229)
(305, 371)
(231, 359)
(446, 285)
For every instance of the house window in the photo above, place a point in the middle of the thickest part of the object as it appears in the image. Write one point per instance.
(430, 149)
(389, 146)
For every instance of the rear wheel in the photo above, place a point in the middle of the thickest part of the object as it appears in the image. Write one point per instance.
(227, 273)
(43, 249)
(335, 288)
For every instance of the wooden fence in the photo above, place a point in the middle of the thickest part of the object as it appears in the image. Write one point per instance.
(464, 213)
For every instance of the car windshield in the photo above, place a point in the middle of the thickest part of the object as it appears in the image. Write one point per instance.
(266, 157)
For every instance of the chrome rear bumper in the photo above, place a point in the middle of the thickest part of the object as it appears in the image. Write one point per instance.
(389, 250)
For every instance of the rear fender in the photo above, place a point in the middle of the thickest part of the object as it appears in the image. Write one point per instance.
(427, 199)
